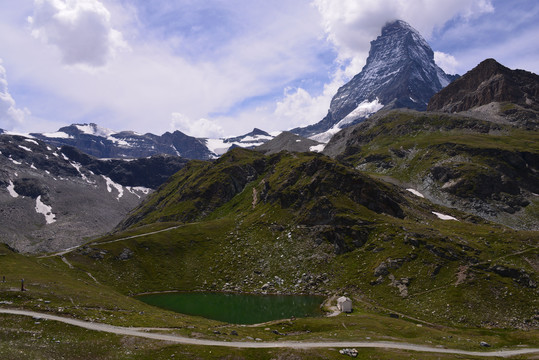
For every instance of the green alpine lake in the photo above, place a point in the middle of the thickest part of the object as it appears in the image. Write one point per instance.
(237, 308)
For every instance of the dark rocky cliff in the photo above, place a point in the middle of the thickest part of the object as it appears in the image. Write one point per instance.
(488, 82)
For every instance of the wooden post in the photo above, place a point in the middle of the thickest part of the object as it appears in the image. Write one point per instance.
(4, 279)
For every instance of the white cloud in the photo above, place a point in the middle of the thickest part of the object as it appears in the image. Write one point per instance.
(10, 115)
(351, 24)
(299, 108)
(477, 7)
(198, 128)
(141, 88)
(80, 29)
(447, 62)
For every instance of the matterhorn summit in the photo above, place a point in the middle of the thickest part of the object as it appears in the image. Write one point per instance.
(400, 73)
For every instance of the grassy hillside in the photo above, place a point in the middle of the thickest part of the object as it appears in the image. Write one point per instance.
(286, 223)
(303, 223)
(52, 286)
(478, 166)
(306, 223)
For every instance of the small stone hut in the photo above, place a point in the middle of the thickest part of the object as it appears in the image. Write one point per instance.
(344, 304)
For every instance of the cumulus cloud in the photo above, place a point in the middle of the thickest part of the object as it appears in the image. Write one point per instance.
(10, 115)
(446, 61)
(299, 108)
(80, 29)
(351, 24)
(198, 128)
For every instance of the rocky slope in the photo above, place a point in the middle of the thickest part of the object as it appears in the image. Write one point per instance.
(400, 73)
(200, 188)
(53, 198)
(481, 167)
(512, 94)
(288, 141)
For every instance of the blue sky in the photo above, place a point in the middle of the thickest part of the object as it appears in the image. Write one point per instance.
(222, 67)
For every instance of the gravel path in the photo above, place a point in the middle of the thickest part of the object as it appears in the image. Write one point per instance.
(262, 345)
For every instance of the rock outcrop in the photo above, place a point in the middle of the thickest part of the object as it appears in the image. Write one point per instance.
(488, 82)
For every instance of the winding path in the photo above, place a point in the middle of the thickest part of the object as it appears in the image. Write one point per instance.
(68, 250)
(264, 345)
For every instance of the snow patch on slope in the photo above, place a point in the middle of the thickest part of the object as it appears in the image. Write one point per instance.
(221, 145)
(317, 148)
(111, 184)
(15, 161)
(217, 146)
(256, 139)
(78, 166)
(58, 135)
(18, 134)
(120, 142)
(25, 148)
(32, 141)
(363, 110)
(444, 217)
(92, 129)
(46, 210)
(135, 190)
(416, 193)
(11, 190)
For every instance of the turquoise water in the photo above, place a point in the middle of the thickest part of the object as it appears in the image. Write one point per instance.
(237, 308)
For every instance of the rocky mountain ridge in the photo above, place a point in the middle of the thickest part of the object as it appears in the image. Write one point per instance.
(288, 141)
(477, 152)
(495, 91)
(104, 143)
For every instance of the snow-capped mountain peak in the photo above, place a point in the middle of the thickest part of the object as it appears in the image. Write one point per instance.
(255, 138)
(400, 72)
(94, 129)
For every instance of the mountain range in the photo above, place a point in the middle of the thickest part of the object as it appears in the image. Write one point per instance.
(481, 91)
(105, 143)
(423, 208)
(433, 214)
(476, 152)
(400, 73)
